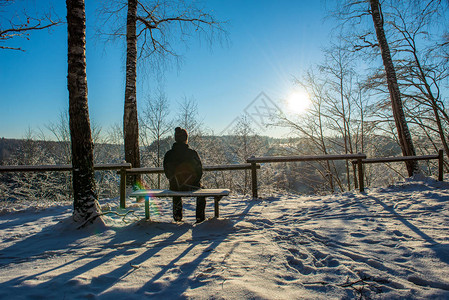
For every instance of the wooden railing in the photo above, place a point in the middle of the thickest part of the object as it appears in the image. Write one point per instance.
(60, 168)
(135, 171)
(122, 167)
(375, 160)
(253, 163)
(276, 159)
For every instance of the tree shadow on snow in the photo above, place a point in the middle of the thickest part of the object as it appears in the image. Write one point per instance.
(441, 250)
(116, 248)
(206, 237)
(69, 245)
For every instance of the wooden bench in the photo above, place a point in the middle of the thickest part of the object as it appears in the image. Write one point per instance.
(147, 194)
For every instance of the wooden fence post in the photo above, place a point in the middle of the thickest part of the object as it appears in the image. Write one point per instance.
(354, 170)
(440, 165)
(360, 169)
(122, 188)
(254, 180)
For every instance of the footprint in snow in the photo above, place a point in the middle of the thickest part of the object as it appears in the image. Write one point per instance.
(358, 235)
(297, 253)
(298, 265)
(398, 233)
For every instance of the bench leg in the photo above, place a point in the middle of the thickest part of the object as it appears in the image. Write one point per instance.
(216, 200)
(147, 208)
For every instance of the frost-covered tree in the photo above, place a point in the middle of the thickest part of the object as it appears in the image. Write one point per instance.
(188, 118)
(155, 125)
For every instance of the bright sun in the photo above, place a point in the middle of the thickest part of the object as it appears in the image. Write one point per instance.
(298, 102)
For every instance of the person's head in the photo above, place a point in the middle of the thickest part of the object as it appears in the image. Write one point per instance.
(181, 135)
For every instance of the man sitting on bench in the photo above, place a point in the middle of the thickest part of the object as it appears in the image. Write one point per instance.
(183, 168)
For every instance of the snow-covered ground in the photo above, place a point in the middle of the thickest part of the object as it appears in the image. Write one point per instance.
(387, 243)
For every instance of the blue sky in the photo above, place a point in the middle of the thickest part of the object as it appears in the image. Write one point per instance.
(270, 42)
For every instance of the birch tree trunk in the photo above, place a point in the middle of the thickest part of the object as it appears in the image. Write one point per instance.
(130, 122)
(404, 136)
(85, 204)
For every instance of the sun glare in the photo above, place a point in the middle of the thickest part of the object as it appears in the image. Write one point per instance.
(298, 102)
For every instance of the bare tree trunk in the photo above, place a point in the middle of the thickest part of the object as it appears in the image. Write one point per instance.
(404, 136)
(130, 122)
(85, 205)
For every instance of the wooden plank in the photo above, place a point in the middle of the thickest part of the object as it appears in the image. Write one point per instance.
(160, 170)
(229, 167)
(41, 168)
(270, 159)
(61, 168)
(398, 158)
(134, 171)
(112, 166)
(170, 193)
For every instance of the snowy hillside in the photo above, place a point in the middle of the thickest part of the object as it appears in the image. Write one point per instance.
(388, 243)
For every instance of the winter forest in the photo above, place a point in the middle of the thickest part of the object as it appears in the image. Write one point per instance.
(381, 89)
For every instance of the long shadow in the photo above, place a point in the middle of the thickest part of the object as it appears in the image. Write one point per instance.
(40, 245)
(441, 254)
(29, 215)
(41, 242)
(180, 285)
(122, 242)
(182, 282)
(97, 257)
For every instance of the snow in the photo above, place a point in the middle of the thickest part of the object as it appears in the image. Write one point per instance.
(390, 242)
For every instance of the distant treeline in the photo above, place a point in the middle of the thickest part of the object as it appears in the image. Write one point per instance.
(305, 177)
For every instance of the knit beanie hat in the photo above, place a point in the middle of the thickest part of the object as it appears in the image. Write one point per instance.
(180, 135)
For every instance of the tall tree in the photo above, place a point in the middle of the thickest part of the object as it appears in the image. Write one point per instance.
(130, 122)
(85, 204)
(422, 70)
(404, 136)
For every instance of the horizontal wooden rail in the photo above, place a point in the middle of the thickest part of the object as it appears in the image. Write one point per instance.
(271, 159)
(60, 168)
(277, 159)
(42, 168)
(134, 171)
(375, 160)
(67, 168)
(396, 159)
(121, 166)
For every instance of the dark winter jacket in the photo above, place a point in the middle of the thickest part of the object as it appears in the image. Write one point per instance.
(183, 168)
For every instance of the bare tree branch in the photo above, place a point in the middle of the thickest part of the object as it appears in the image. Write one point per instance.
(24, 26)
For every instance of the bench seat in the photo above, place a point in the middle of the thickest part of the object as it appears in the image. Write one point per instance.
(217, 194)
